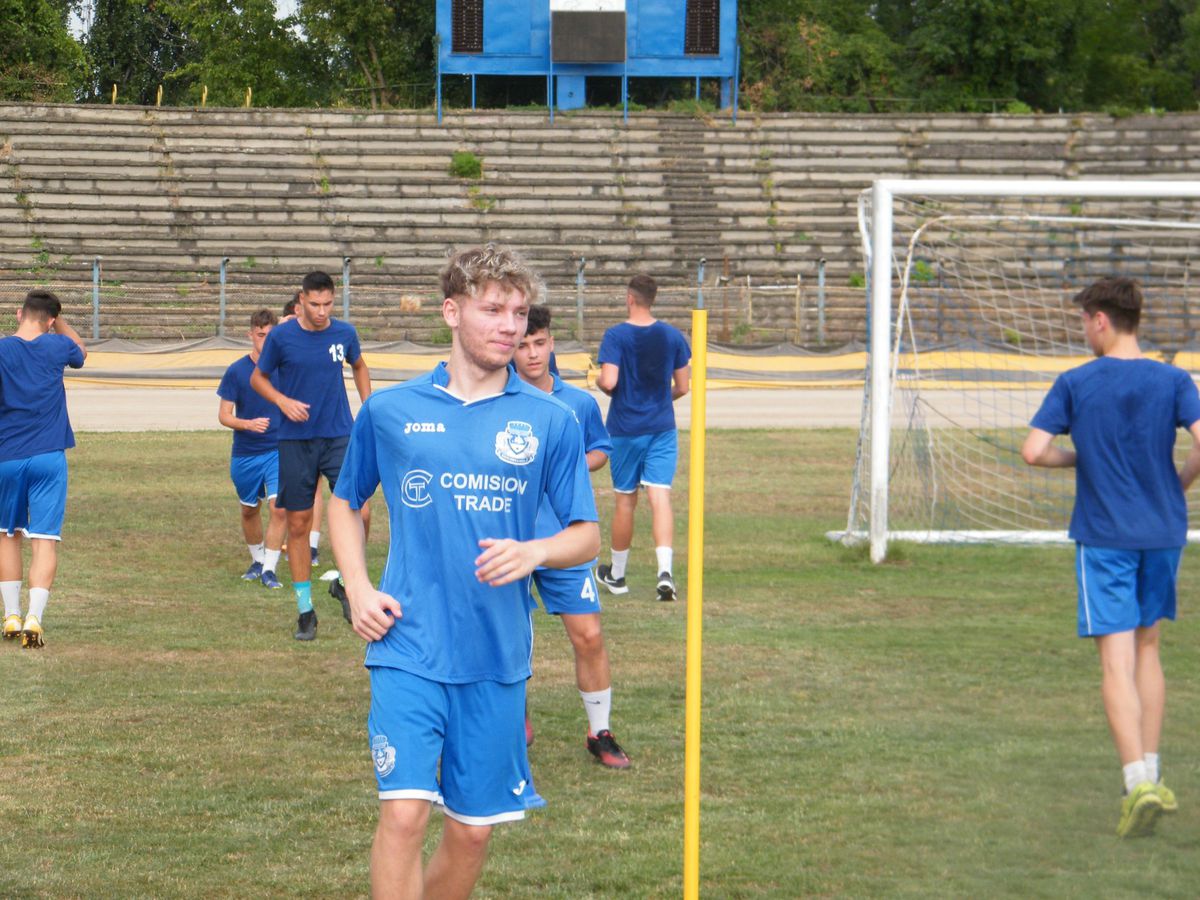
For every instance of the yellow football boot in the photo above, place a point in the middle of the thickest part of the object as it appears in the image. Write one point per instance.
(31, 634)
(12, 626)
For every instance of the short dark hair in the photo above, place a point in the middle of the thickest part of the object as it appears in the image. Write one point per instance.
(316, 282)
(42, 305)
(289, 308)
(262, 319)
(539, 319)
(1118, 298)
(644, 289)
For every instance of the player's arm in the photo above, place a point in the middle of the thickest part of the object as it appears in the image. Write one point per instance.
(372, 612)
(681, 383)
(1039, 450)
(295, 410)
(607, 379)
(596, 460)
(63, 327)
(225, 415)
(505, 561)
(1191, 466)
(362, 377)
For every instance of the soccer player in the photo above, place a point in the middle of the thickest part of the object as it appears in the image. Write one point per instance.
(644, 368)
(1129, 523)
(34, 435)
(314, 535)
(571, 593)
(254, 459)
(308, 354)
(465, 455)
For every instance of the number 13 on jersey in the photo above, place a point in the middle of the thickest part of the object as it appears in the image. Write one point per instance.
(337, 352)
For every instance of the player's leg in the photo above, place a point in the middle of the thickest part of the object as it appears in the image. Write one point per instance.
(252, 532)
(658, 473)
(1108, 612)
(245, 473)
(276, 520)
(10, 584)
(297, 484)
(47, 508)
(14, 517)
(594, 680)
(1157, 578)
(314, 533)
(406, 720)
(625, 465)
(331, 467)
(485, 780)
(396, 870)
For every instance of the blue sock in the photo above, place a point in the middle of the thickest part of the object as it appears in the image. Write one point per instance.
(303, 596)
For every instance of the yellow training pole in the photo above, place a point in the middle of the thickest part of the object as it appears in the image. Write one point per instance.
(695, 609)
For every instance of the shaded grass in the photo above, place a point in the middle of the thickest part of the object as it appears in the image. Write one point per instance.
(929, 727)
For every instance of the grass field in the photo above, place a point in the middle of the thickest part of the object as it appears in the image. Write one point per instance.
(930, 727)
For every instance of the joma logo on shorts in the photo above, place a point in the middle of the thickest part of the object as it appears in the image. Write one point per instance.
(424, 427)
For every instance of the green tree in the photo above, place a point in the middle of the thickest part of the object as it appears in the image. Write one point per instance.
(377, 50)
(39, 59)
(135, 46)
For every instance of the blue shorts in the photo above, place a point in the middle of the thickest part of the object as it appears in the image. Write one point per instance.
(1120, 590)
(301, 465)
(255, 477)
(474, 733)
(571, 591)
(647, 459)
(33, 495)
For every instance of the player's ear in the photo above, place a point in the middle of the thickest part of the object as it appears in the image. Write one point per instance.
(450, 311)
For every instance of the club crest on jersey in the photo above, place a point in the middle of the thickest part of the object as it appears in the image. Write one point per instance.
(414, 489)
(516, 444)
(384, 755)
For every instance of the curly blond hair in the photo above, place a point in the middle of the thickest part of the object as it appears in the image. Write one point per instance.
(469, 271)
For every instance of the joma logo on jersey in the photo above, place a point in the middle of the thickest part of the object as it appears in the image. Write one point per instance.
(516, 443)
(424, 428)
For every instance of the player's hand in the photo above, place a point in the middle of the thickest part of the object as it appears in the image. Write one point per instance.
(294, 409)
(504, 560)
(259, 425)
(372, 612)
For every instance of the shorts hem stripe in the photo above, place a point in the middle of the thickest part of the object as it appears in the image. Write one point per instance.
(411, 794)
(514, 816)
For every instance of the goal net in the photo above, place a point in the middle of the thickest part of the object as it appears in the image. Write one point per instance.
(971, 284)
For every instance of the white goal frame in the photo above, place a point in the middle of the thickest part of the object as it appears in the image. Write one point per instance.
(883, 279)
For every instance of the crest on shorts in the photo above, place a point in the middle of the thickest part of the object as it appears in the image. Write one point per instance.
(516, 444)
(384, 755)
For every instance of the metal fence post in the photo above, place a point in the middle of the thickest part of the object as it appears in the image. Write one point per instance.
(821, 300)
(579, 285)
(799, 309)
(96, 298)
(346, 288)
(221, 306)
(700, 283)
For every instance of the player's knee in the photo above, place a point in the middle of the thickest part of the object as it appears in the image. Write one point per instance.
(587, 639)
(402, 823)
(249, 513)
(471, 840)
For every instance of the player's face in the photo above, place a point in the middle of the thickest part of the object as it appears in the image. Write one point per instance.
(258, 337)
(488, 326)
(317, 307)
(533, 355)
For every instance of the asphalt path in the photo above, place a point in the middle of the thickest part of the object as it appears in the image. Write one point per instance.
(195, 409)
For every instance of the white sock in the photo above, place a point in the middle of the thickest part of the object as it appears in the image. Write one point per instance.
(598, 706)
(620, 559)
(664, 555)
(38, 598)
(256, 552)
(270, 560)
(1152, 773)
(11, 591)
(314, 539)
(1135, 772)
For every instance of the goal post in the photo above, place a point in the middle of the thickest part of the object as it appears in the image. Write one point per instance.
(997, 243)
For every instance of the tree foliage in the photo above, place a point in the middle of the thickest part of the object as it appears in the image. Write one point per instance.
(818, 55)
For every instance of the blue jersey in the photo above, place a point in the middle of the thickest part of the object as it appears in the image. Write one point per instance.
(1122, 415)
(595, 437)
(647, 357)
(309, 367)
(454, 473)
(33, 401)
(249, 404)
